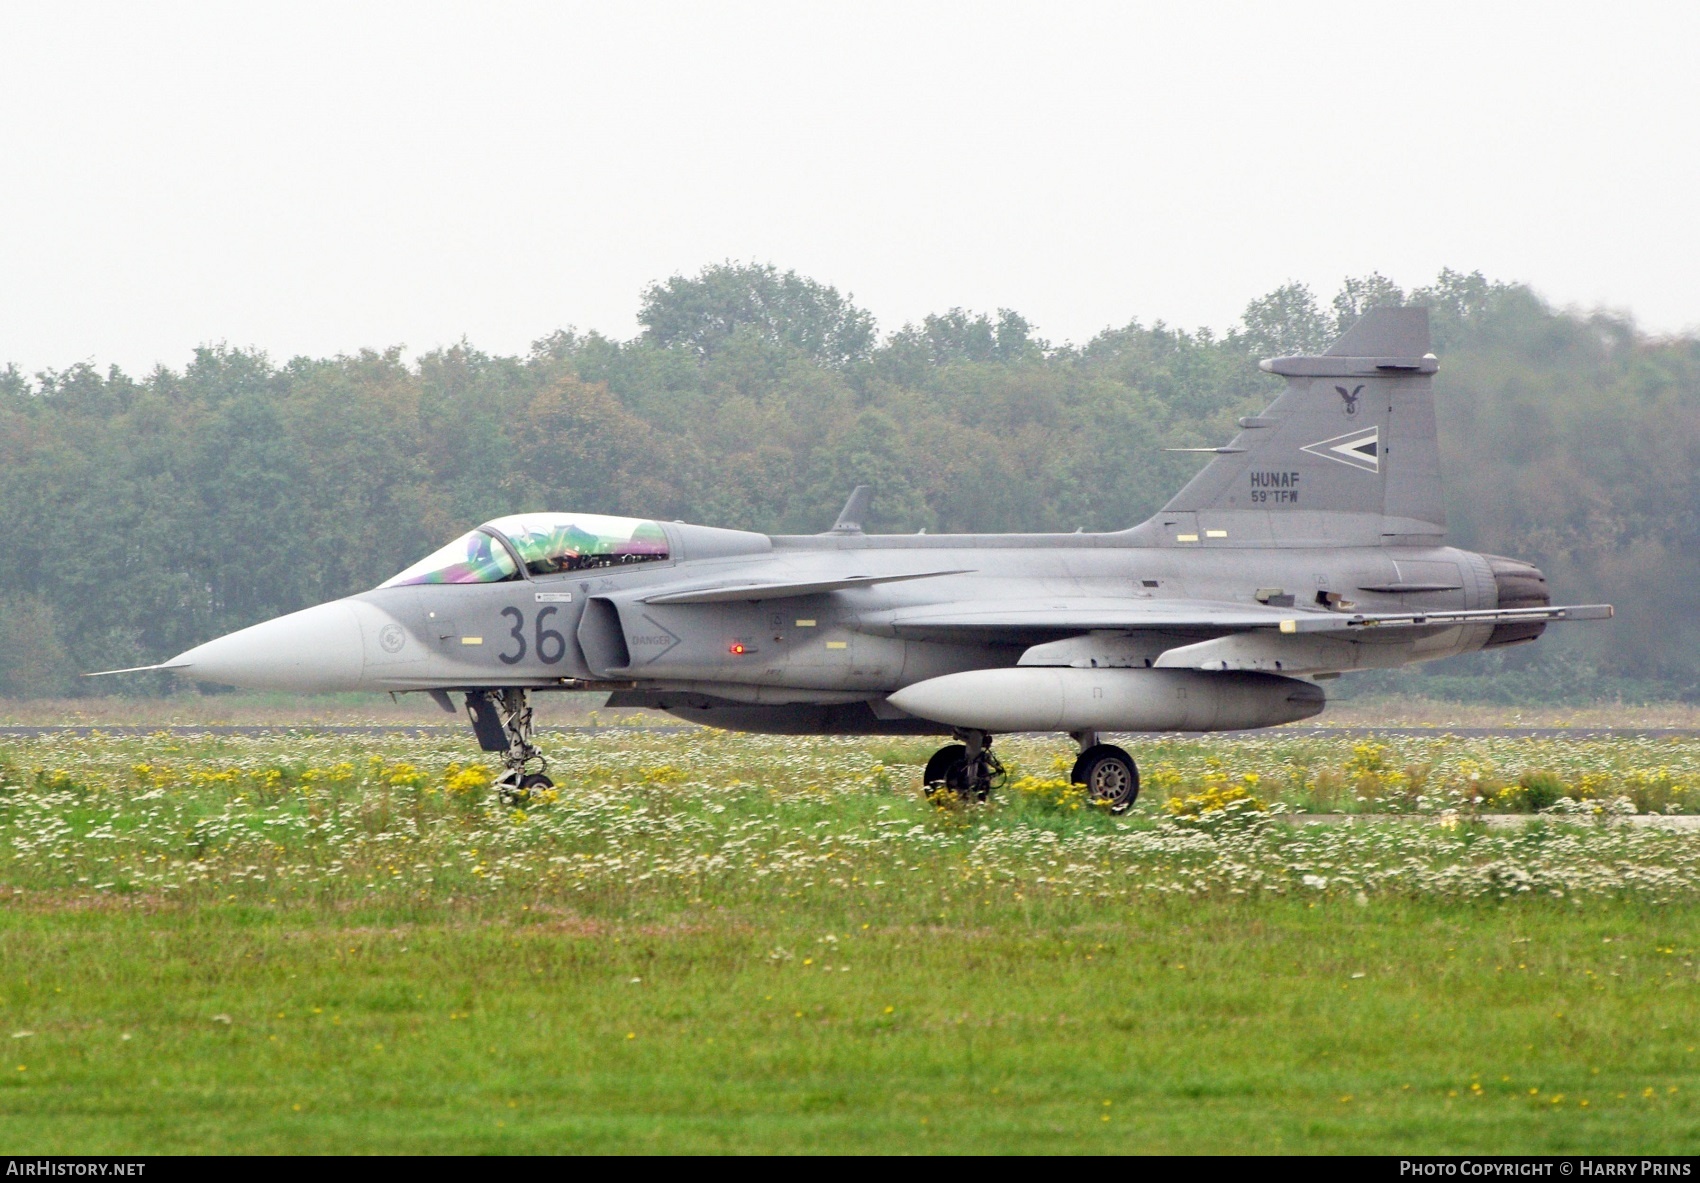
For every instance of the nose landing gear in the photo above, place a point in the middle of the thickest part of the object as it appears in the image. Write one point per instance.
(502, 721)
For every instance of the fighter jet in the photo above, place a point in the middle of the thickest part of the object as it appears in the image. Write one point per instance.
(1310, 545)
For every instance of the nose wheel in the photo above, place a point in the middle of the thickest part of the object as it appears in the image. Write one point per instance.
(516, 788)
(502, 721)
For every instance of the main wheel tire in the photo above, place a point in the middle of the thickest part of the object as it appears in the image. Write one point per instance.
(962, 781)
(977, 781)
(1109, 775)
(944, 760)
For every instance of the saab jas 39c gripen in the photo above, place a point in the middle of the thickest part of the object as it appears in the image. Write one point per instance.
(1312, 544)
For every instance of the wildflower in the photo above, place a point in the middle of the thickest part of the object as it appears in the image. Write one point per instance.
(1219, 802)
(474, 779)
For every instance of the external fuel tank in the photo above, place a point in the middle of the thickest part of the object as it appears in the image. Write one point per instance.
(1056, 698)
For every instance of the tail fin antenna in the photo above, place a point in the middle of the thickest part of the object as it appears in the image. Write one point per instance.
(850, 517)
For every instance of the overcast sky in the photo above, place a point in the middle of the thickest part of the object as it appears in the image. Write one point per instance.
(318, 178)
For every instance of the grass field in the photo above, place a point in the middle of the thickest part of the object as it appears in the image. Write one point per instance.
(302, 942)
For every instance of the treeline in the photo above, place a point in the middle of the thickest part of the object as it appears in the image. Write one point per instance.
(139, 516)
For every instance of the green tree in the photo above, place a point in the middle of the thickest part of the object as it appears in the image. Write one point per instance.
(1358, 295)
(873, 452)
(33, 660)
(701, 314)
(1284, 323)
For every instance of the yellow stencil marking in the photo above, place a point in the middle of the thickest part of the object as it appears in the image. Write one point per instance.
(1186, 538)
(805, 624)
(838, 644)
(472, 640)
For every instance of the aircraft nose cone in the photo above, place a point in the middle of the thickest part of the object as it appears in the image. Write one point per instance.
(318, 649)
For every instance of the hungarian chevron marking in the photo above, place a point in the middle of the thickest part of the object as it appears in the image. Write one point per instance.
(1360, 449)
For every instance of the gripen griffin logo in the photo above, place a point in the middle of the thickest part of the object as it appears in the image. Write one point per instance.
(1350, 397)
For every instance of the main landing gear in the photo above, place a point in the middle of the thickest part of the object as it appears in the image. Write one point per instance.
(502, 721)
(1108, 772)
(970, 771)
(967, 769)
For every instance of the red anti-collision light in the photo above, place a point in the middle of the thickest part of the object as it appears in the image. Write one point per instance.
(737, 648)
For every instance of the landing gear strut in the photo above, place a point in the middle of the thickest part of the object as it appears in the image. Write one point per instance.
(967, 769)
(1109, 773)
(502, 721)
(972, 773)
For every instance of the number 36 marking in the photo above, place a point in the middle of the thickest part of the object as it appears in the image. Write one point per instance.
(549, 643)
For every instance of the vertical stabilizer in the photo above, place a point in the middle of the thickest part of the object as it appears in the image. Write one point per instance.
(1347, 452)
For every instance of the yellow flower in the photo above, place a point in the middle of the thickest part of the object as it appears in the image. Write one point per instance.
(1215, 799)
(474, 779)
(404, 776)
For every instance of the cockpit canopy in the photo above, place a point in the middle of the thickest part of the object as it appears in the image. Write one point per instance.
(545, 543)
(475, 557)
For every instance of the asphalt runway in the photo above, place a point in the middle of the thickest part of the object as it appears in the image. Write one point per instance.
(448, 729)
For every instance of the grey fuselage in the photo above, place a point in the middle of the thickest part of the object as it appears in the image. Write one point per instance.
(827, 662)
